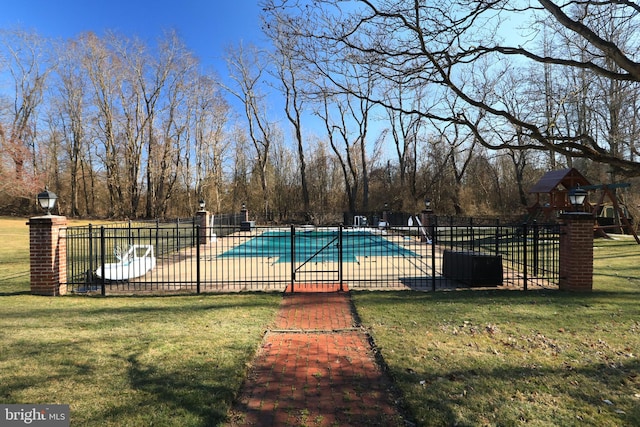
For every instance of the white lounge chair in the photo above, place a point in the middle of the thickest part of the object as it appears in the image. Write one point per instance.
(136, 262)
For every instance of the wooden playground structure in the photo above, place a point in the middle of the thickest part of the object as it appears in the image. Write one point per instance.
(609, 212)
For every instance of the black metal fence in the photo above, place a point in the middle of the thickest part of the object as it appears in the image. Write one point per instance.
(529, 253)
(183, 257)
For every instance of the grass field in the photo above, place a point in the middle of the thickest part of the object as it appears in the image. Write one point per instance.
(517, 358)
(458, 358)
(135, 361)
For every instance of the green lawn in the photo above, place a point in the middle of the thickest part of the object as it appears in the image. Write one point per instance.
(458, 358)
(135, 361)
(517, 358)
(14, 256)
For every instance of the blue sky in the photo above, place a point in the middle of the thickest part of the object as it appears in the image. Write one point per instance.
(206, 26)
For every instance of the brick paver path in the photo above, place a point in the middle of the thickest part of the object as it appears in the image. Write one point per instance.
(315, 368)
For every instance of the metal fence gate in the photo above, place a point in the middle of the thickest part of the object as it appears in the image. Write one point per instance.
(316, 259)
(182, 257)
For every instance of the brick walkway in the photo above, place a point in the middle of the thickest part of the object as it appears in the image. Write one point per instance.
(315, 368)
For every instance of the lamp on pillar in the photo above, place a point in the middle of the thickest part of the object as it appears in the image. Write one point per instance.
(244, 212)
(576, 197)
(48, 249)
(47, 200)
(427, 206)
(203, 222)
(427, 217)
(576, 245)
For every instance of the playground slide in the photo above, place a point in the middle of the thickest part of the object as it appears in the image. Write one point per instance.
(423, 230)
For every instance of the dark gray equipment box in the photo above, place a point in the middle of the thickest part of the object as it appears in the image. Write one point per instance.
(472, 268)
(247, 225)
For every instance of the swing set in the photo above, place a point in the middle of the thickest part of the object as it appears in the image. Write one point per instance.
(609, 211)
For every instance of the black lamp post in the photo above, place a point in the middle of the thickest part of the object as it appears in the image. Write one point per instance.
(202, 204)
(47, 200)
(576, 197)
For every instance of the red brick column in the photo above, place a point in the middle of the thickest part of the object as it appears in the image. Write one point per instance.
(203, 221)
(48, 255)
(576, 252)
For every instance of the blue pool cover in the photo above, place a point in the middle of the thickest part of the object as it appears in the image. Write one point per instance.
(317, 246)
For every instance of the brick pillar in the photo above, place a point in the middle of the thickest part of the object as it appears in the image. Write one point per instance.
(203, 221)
(48, 255)
(425, 218)
(576, 252)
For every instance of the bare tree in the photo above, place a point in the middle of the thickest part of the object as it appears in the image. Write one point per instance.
(461, 147)
(406, 131)
(437, 46)
(290, 75)
(325, 180)
(125, 121)
(23, 58)
(152, 71)
(103, 70)
(247, 69)
(340, 114)
(241, 169)
(285, 182)
(210, 116)
(170, 140)
(133, 100)
(170, 85)
(71, 105)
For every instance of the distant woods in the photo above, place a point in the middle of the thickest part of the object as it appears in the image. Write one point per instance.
(347, 109)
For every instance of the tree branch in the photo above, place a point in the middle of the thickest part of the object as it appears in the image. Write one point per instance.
(610, 49)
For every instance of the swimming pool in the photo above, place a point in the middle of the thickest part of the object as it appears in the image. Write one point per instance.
(317, 246)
